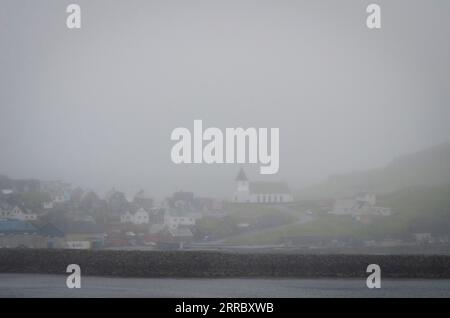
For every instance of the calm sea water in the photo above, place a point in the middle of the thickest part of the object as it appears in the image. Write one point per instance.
(30, 285)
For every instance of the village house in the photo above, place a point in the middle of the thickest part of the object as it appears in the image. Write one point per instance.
(423, 238)
(59, 191)
(17, 214)
(82, 235)
(261, 192)
(181, 211)
(181, 235)
(7, 192)
(175, 219)
(47, 205)
(143, 201)
(170, 238)
(181, 199)
(363, 204)
(139, 217)
(17, 233)
(117, 203)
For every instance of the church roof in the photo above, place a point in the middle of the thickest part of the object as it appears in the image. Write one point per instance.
(269, 188)
(241, 176)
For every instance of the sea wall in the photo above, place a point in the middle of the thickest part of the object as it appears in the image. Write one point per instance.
(217, 264)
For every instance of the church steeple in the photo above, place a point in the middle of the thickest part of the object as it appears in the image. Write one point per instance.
(241, 176)
(242, 187)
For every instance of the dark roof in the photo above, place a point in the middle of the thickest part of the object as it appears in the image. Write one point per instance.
(241, 176)
(16, 227)
(269, 187)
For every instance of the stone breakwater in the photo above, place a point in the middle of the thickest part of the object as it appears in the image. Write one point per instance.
(217, 265)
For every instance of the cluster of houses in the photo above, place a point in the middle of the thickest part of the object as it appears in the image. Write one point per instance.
(53, 215)
(40, 214)
(36, 214)
(170, 224)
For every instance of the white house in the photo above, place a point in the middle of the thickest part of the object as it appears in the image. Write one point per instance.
(261, 192)
(47, 205)
(7, 191)
(423, 237)
(59, 191)
(140, 217)
(175, 221)
(361, 204)
(127, 217)
(17, 214)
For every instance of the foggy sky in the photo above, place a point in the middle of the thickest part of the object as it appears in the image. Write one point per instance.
(96, 106)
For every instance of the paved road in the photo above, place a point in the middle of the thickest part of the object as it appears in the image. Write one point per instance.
(300, 217)
(31, 285)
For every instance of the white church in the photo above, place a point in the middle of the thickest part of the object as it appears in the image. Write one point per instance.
(260, 192)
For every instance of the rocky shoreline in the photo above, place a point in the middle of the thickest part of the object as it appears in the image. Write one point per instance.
(220, 264)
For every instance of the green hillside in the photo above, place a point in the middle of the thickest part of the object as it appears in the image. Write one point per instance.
(416, 209)
(428, 167)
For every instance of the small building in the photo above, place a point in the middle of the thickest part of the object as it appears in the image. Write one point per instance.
(47, 205)
(17, 233)
(143, 201)
(117, 203)
(173, 221)
(181, 199)
(181, 235)
(52, 236)
(423, 238)
(17, 214)
(6, 192)
(82, 235)
(139, 217)
(359, 205)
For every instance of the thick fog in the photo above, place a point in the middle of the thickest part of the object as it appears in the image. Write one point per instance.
(96, 106)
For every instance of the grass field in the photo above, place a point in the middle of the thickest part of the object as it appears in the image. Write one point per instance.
(419, 209)
(329, 226)
(252, 215)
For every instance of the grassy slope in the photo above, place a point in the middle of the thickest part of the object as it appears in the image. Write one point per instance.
(419, 209)
(253, 214)
(428, 167)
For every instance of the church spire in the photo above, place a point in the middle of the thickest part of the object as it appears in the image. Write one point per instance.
(241, 176)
